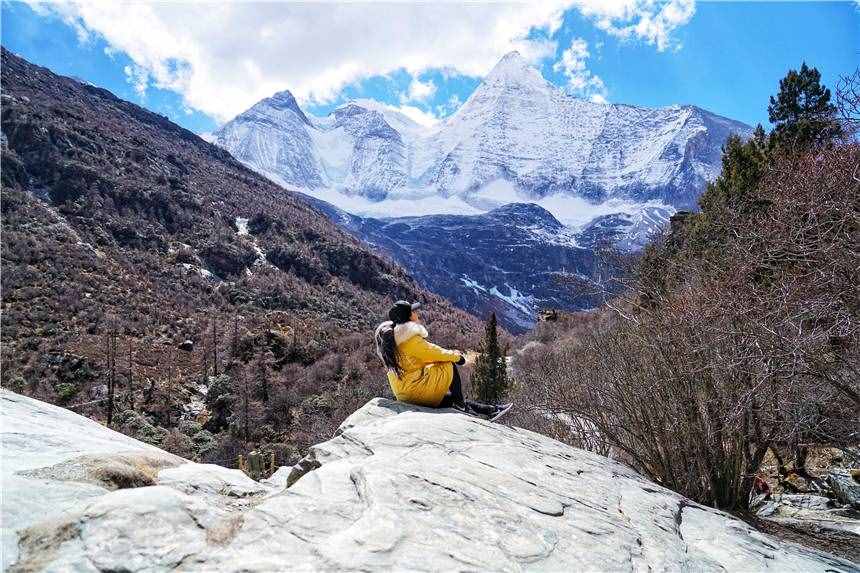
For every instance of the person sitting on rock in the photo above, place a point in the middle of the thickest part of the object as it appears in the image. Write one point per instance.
(419, 371)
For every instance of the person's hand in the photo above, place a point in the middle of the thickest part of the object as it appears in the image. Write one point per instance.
(462, 359)
(468, 357)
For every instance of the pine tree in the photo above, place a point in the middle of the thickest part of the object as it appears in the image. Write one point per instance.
(490, 377)
(801, 113)
(742, 170)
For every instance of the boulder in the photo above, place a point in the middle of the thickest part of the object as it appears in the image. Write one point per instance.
(808, 512)
(845, 486)
(55, 461)
(807, 501)
(399, 488)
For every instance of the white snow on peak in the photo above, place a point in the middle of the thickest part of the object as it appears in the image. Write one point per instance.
(514, 70)
(515, 131)
(393, 116)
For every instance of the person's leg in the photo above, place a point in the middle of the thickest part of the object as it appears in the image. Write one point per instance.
(481, 408)
(454, 397)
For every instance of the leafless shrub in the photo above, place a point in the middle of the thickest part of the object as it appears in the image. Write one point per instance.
(751, 348)
(848, 101)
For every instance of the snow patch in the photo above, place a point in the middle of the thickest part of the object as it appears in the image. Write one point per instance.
(474, 285)
(241, 226)
(576, 212)
(242, 230)
(515, 298)
(205, 273)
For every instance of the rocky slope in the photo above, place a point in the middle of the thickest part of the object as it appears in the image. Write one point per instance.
(117, 220)
(514, 260)
(515, 127)
(399, 488)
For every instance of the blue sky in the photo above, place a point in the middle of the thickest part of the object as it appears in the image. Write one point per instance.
(725, 57)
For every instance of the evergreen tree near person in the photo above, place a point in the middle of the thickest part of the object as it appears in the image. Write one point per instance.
(801, 112)
(490, 376)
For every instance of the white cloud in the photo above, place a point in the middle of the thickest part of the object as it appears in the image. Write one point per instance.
(223, 57)
(580, 80)
(417, 115)
(650, 20)
(138, 77)
(418, 90)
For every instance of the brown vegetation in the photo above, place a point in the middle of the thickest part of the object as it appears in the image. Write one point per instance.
(736, 336)
(128, 290)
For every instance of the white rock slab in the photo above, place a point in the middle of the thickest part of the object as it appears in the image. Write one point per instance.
(36, 435)
(403, 488)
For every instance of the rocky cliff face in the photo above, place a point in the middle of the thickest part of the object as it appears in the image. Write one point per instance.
(514, 260)
(399, 488)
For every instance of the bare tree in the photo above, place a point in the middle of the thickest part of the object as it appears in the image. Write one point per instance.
(111, 342)
(848, 100)
(712, 361)
(130, 381)
(214, 345)
(234, 338)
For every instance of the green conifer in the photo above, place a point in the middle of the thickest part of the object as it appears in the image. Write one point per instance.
(801, 112)
(490, 377)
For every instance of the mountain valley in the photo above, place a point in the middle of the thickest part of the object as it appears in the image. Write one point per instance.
(149, 276)
(597, 173)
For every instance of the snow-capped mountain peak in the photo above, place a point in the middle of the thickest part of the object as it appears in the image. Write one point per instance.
(516, 131)
(404, 124)
(272, 137)
(501, 178)
(514, 70)
(282, 102)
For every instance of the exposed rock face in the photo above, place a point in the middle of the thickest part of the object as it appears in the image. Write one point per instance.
(514, 260)
(400, 488)
(846, 487)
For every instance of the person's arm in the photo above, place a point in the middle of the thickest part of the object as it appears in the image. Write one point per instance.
(429, 352)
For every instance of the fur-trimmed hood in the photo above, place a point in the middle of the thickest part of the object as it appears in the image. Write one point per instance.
(406, 330)
(402, 332)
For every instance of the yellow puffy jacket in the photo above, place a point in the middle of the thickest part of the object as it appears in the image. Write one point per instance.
(427, 368)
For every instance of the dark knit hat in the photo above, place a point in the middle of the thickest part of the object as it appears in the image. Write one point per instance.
(402, 310)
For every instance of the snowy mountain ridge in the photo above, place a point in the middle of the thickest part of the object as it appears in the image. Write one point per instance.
(603, 172)
(516, 127)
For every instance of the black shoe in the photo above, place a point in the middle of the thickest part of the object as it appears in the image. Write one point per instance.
(479, 409)
(501, 410)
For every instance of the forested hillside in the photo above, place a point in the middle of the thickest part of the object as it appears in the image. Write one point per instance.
(153, 282)
(734, 345)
